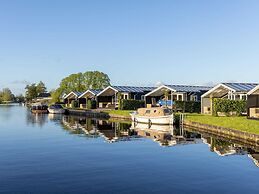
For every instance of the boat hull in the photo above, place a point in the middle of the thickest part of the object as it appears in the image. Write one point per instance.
(56, 111)
(160, 120)
(39, 111)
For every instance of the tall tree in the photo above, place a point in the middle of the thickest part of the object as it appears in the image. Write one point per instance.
(81, 82)
(41, 88)
(31, 92)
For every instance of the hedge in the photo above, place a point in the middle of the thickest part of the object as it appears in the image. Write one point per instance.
(131, 104)
(188, 106)
(227, 106)
(91, 104)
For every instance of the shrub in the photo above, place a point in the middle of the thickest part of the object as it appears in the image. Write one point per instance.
(91, 104)
(227, 106)
(131, 104)
(75, 104)
(188, 106)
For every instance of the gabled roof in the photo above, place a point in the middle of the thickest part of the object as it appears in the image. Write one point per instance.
(75, 93)
(92, 91)
(241, 87)
(223, 88)
(255, 89)
(188, 88)
(179, 88)
(130, 89)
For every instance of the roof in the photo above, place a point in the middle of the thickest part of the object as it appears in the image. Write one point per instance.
(241, 87)
(189, 88)
(75, 93)
(178, 88)
(254, 90)
(44, 95)
(129, 89)
(132, 89)
(92, 91)
(223, 88)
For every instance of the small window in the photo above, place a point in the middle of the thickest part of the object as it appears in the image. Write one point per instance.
(147, 111)
(154, 111)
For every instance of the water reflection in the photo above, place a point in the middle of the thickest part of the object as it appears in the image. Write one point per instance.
(166, 136)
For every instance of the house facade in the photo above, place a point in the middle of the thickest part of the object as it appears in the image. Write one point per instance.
(87, 95)
(168, 94)
(253, 103)
(109, 97)
(232, 91)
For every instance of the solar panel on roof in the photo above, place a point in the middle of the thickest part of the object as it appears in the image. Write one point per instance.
(133, 89)
(188, 88)
(241, 87)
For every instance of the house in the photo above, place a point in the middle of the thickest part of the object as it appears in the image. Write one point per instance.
(43, 98)
(253, 103)
(71, 97)
(87, 95)
(167, 94)
(232, 91)
(108, 97)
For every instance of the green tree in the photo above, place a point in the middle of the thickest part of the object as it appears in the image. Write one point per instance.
(81, 82)
(31, 92)
(41, 88)
(6, 95)
(19, 98)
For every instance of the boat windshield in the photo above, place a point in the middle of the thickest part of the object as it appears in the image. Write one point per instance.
(56, 106)
(167, 111)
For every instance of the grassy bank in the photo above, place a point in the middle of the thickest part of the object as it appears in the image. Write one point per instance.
(238, 123)
(119, 112)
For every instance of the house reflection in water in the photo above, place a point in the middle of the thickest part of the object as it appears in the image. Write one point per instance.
(226, 148)
(165, 135)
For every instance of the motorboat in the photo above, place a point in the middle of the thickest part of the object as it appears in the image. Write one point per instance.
(56, 109)
(38, 108)
(154, 115)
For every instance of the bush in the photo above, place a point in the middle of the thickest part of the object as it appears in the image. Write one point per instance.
(131, 104)
(227, 106)
(188, 106)
(91, 104)
(75, 104)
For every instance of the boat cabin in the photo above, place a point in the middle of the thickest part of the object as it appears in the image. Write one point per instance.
(154, 112)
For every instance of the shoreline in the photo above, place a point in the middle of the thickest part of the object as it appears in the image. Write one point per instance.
(218, 130)
(207, 128)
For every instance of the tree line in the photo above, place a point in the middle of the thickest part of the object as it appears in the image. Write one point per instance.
(81, 82)
(75, 82)
(6, 96)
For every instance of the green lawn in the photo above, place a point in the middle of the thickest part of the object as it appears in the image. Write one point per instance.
(119, 112)
(239, 123)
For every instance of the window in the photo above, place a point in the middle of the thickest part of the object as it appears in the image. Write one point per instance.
(126, 96)
(180, 97)
(147, 111)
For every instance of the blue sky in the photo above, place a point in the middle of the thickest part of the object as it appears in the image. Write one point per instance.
(136, 42)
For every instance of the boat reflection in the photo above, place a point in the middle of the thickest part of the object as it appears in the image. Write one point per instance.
(165, 136)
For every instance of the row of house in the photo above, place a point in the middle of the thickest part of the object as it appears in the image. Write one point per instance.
(108, 97)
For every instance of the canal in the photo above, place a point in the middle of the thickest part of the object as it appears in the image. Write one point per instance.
(68, 154)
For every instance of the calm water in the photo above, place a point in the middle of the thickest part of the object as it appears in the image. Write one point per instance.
(61, 154)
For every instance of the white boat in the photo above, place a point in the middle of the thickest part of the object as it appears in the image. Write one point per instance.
(56, 109)
(157, 115)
